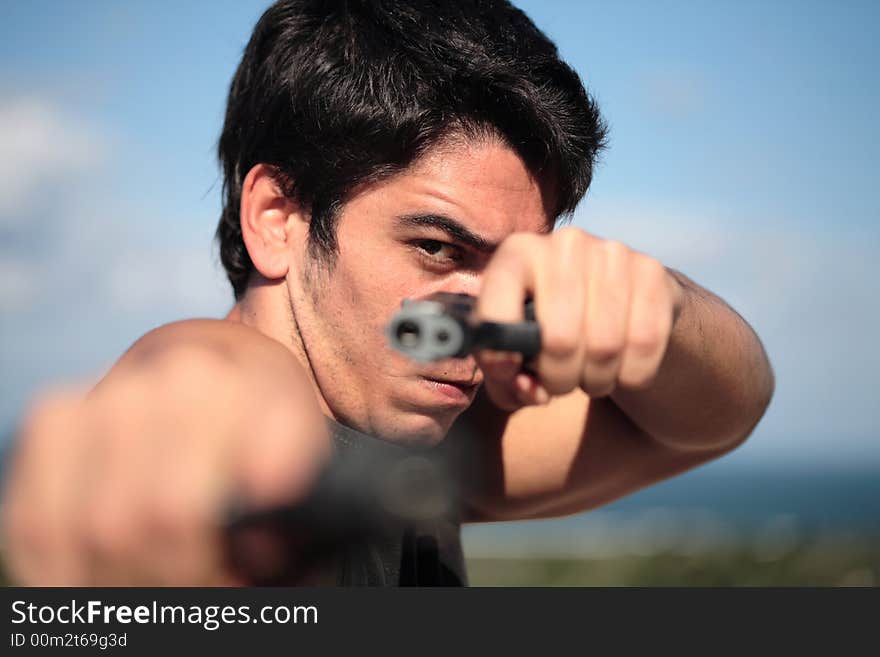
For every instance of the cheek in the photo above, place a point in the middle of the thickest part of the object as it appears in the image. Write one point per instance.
(378, 278)
(359, 301)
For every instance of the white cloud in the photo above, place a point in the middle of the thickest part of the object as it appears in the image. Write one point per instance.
(687, 236)
(19, 283)
(136, 280)
(84, 270)
(69, 238)
(38, 141)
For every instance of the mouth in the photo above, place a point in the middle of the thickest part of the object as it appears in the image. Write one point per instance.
(470, 384)
(460, 391)
(466, 381)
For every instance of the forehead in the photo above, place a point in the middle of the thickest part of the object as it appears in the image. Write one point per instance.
(483, 184)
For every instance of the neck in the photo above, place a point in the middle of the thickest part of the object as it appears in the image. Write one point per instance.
(265, 307)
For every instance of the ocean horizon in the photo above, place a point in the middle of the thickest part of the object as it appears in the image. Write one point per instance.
(770, 509)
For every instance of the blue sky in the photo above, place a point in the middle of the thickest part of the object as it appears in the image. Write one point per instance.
(743, 152)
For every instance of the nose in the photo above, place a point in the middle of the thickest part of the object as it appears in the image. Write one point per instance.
(465, 283)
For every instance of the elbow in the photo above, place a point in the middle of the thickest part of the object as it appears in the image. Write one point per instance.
(763, 387)
(763, 396)
(726, 426)
(750, 413)
(749, 397)
(766, 395)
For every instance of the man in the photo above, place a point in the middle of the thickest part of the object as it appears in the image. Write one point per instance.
(375, 152)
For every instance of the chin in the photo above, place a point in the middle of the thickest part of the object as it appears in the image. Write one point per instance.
(413, 428)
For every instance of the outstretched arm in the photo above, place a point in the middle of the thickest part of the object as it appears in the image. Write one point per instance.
(649, 375)
(714, 382)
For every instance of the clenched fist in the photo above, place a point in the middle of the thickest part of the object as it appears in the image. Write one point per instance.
(606, 314)
(127, 485)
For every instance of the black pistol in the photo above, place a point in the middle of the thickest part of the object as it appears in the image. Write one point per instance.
(444, 325)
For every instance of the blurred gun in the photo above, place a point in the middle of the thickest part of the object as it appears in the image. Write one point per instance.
(360, 495)
(444, 325)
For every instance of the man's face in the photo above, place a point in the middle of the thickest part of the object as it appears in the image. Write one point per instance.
(408, 237)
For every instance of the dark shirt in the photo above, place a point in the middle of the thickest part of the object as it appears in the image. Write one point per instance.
(424, 552)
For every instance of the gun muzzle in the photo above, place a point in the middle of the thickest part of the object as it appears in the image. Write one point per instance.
(444, 325)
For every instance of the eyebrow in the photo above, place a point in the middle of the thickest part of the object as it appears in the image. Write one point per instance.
(451, 227)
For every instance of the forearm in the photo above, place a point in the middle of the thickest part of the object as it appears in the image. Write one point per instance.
(714, 382)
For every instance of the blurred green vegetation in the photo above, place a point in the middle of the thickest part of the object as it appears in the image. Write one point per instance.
(820, 561)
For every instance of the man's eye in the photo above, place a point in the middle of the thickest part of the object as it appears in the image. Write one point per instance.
(439, 251)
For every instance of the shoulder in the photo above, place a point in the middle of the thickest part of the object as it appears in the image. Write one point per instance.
(200, 330)
(221, 341)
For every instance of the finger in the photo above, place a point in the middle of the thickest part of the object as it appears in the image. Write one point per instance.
(185, 497)
(111, 481)
(500, 369)
(175, 476)
(560, 304)
(530, 391)
(200, 430)
(181, 475)
(607, 314)
(508, 279)
(286, 448)
(649, 325)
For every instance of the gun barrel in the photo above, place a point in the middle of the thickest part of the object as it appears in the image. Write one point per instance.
(444, 326)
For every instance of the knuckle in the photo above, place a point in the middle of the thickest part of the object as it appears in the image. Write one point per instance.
(559, 382)
(266, 478)
(646, 340)
(604, 345)
(599, 376)
(637, 378)
(597, 387)
(651, 268)
(560, 343)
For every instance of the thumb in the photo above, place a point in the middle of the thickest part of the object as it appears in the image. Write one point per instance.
(500, 370)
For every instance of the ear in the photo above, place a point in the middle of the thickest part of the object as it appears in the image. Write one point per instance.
(271, 224)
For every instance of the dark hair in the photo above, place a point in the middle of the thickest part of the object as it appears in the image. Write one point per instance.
(336, 93)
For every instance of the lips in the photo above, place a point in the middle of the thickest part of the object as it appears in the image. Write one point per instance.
(463, 384)
(451, 392)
